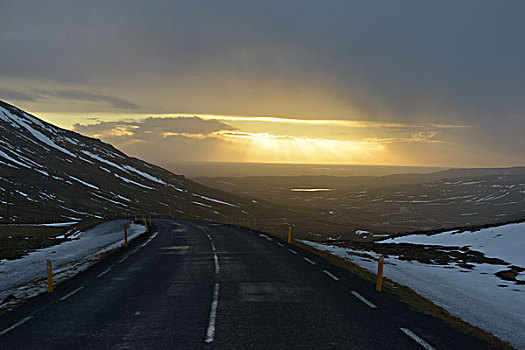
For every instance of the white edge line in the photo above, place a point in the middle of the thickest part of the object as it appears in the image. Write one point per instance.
(104, 272)
(134, 251)
(216, 263)
(73, 292)
(210, 334)
(331, 275)
(310, 261)
(417, 339)
(364, 300)
(279, 244)
(123, 259)
(149, 239)
(292, 251)
(19, 323)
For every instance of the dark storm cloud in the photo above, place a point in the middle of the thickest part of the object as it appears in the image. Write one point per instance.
(35, 94)
(17, 95)
(78, 95)
(449, 62)
(443, 58)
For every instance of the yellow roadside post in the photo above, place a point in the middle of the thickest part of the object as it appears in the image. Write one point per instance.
(289, 234)
(150, 220)
(49, 271)
(125, 235)
(251, 225)
(379, 282)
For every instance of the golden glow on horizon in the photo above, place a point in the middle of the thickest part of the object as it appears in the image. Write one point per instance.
(266, 139)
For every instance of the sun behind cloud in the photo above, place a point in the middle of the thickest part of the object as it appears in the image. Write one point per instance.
(186, 137)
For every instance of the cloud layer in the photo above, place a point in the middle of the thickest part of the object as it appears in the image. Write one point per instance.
(378, 62)
(206, 138)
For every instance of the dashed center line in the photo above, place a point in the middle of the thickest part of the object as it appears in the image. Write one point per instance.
(210, 334)
(209, 237)
(213, 246)
(331, 275)
(216, 262)
(364, 300)
(292, 251)
(310, 261)
(279, 244)
(19, 323)
(72, 293)
(104, 272)
(417, 339)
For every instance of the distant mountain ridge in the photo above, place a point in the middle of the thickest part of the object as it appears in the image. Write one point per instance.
(394, 179)
(48, 171)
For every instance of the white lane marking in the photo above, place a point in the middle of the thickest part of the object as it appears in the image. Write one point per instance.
(149, 239)
(70, 294)
(310, 261)
(209, 237)
(213, 314)
(213, 246)
(19, 323)
(292, 251)
(417, 339)
(364, 300)
(270, 239)
(216, 263)
(279, 244)
(123, 259)
(104, 272)
(263, 236)
(329, 274)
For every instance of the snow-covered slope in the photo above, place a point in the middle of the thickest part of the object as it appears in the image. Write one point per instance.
(506, 242)
(46, 171)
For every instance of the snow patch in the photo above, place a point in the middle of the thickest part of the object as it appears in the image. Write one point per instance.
(215, 200)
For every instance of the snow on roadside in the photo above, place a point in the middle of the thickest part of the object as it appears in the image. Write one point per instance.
(506, 242)
(473, 295)
(23, 277)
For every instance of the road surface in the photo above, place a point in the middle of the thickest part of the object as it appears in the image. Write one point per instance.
(203, 285)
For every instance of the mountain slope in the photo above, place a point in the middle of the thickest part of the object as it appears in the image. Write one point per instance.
(46, 171)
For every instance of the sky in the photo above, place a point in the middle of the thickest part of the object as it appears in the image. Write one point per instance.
(426, 83)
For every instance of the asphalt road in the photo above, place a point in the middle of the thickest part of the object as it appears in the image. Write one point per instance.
(201, 285)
